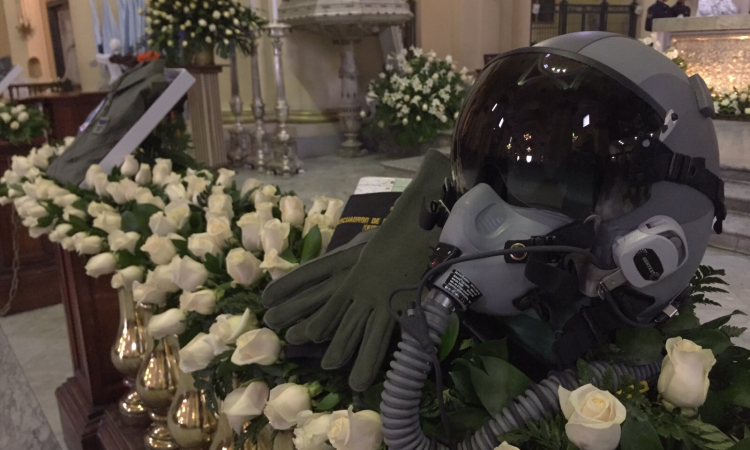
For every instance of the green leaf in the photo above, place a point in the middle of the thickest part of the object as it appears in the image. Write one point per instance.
(642, 345)
(328, 402)
(681, 322)
(311, 245)
(497, 348)
(461, 376)
(78, 224)
(638, 435)
(585, 373)
(181, 245)
(498, 383)
(711, 339)
(716, 323)
(213, 264)
(126, 259)
(448, 340)
(129, 222)
(742, 445)
(372, 396)
(466, 420)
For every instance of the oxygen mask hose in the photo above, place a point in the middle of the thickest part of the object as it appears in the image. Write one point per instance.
(421, 333)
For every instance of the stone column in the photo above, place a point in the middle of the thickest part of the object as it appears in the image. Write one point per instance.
(204, 105)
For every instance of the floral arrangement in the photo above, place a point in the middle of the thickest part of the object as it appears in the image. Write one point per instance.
(196, 26)
(200, 250)
(416, 96)
(20, 124)
(732, 104)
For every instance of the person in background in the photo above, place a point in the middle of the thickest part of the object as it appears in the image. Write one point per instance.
(659, 10)
(680, 9)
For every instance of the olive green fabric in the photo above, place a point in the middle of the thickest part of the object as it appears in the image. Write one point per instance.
(342, 296)
(130, 97)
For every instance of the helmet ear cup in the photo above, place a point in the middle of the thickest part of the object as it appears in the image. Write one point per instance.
(652, 252)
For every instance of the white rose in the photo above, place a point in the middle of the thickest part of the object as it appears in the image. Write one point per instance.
(250, 185)
(333, 211)
(325, 236)
(87, 245)
(594, 417)
(161, 225)
(747, 111)
(69, 211)
(250, 225)
(160, 249)
(285, 403)
(34, 210)
(187, 273)
(275, 265)
(244, 404)
(95, 209)
(243, 267)
(220, 204)
(683, 381)
(100, 184)
(725, 102)
(23, 117)
(197, 354)
(171, 321)
(144, 196)
(175, 191)
(202, 22)
(265, 194)
(101, 264)
(60, 232)
(261, 346)
(119, 240)
(264, 211)
(506, 446)
(311, 432)
(108, 221)
(161, 277)
(91, 174)
(148, 293)
(227, 328)
(292, 210)
(201, 244)
(219, 229)
(217, 15)
(143, 177)
(162, 171)
(129, 189)
(68, 244)
(129, 166)
(275, 236)
(36, 232)
(178, 212)
(5, 117)
(14, 125)
(20, 165)
(348, 430)
(225, 177)
(124, 278)
(117, 193)
(202, 301)
(212, 28)
(315, 219)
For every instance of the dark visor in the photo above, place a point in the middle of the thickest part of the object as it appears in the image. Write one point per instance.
(549, 132)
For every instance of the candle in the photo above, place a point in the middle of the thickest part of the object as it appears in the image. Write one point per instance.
(274, 11)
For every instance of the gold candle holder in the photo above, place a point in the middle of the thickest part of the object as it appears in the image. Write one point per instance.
(127, 354)
(191, 422)
(156, 384)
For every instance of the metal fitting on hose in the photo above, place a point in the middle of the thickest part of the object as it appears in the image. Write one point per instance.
(411, 365)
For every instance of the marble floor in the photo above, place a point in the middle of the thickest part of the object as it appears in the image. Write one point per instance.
(34, 351)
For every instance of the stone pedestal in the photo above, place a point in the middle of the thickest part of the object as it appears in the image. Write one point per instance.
(204, 105)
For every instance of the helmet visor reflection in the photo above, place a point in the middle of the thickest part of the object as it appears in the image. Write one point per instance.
(549, 132)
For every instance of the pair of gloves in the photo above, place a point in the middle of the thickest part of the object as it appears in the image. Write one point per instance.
(342, 296)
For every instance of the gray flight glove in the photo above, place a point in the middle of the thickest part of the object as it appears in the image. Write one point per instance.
(344, 293)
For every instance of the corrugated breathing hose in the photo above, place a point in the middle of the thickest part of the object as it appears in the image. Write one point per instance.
(412, 364)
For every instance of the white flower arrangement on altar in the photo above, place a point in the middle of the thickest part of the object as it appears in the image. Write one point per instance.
(734, 104)
(195, 26)
(417, 95)
(200, 250)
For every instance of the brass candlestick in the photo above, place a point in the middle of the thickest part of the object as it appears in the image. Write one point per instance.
(156, 384)
(128, 352)
(191, 422)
